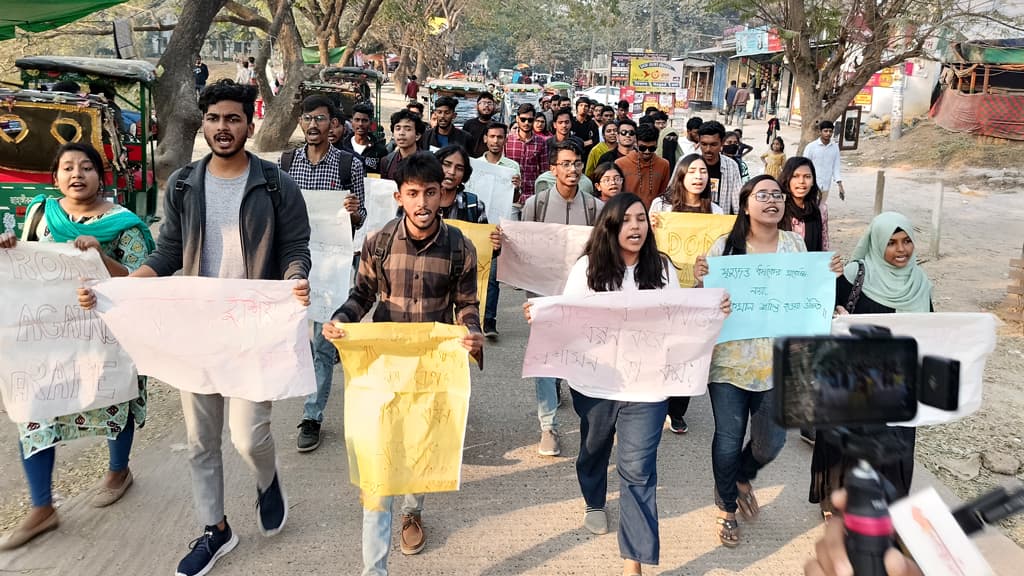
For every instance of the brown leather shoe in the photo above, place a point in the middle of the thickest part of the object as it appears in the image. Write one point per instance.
(413, 538)
(22, 534)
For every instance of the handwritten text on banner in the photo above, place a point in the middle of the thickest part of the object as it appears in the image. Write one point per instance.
(480, 236)
(330, 247)
(406, 404)
(493, 186)
(537, 256)
(238, 338)
(775, 294)
(684, 237)
(55, 358)
(655, 342)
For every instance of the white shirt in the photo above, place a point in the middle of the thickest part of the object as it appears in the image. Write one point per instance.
(826, 162)
(357, 147)
(660, 205)
(576, 285)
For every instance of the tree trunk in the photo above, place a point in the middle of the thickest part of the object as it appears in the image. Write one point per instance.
(366, 16)
(174, 95)
(282, 111)
(422, 71)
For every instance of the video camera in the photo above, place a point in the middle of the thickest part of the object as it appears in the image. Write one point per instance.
(851, 388)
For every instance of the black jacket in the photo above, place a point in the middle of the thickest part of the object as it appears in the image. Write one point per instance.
(275, 231)
(456, 136)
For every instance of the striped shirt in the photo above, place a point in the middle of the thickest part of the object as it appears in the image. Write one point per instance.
(325, 174)
(417, 281)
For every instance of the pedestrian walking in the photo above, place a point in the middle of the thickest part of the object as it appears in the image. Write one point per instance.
(625, 142)
(412, 88)
(621, 256)
(200, 73)
(229, 215)
(741, 371)
(608, 181)
(645, 172)
(609, 138)
(730, 97)
(774, 159)
(805, 214)
(317, 165)
(527, 149)
(407, 130)
(739, 104)
(731, 147)
(494, 140)
(363, 143)
(445, 132)
(723, 171)
(882, 277)
(824, 152)
(409, 263)
(563, 203)
(758, 93)
(82, 216)
(475, 128)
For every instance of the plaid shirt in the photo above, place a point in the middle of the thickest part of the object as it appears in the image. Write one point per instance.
(417, 283)
(532, 158)
(324, 175)
(728, 194)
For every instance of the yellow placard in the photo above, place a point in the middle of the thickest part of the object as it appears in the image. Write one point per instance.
(406, 404)
(480, 236)
(684, 236)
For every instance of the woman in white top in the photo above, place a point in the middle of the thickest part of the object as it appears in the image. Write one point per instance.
(689, 190)
(621, 256)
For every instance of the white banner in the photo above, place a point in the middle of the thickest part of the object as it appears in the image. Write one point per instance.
(381, 208)
(55, 358)
(538, 256)
(330, 247)
(966, 337)
(647, 342)
(493, 185)
(237, 338)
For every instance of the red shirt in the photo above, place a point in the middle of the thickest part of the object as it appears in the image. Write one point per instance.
(531, 156)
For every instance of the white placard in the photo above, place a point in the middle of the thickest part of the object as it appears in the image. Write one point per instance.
(330, 248)
(493, 186)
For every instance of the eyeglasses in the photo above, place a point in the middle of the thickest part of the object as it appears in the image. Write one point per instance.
(643, 148)
(766, 197)
(566, 165)
(611, 180)
(319, 118)
(526, 119)
(627, 133)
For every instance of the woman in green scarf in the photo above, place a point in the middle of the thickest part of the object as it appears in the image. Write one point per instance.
(83, 217)
(882, 278)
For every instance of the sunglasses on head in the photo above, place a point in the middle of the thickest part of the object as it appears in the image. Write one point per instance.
(643, 148)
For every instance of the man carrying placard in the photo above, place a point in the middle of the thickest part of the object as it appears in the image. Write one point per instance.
(320, 166)
(422, 270)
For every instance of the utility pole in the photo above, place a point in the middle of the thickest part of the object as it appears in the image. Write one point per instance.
(650, 41)
(896, 116)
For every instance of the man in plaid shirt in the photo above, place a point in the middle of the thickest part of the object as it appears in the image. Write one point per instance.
(527, 149)
(416, 287)
(318, 166)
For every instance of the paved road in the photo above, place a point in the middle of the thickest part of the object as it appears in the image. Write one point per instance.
(517, 512)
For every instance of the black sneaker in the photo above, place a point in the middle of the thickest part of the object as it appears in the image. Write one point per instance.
(309, 436)
(490, 329)
(677, 425)
(206, 550)
(807, 435)
(271, 509)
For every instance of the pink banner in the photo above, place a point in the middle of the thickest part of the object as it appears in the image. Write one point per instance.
(537, 256)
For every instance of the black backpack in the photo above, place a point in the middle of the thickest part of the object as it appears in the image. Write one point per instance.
(270, 172)
(344, 166)
(382, 249)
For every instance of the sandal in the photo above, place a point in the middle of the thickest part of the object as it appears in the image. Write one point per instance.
(728, 532)
(747, 503)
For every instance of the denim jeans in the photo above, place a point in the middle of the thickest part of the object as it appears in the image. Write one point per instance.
(324, 358)
(732, 462)
(491, 310)
(39, 466)
(377, 529)
(638, 426)
(547, 402)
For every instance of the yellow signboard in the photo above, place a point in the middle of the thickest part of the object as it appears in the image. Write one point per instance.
(647, 75)
(684, 236)
(406, 404)
(863, 98)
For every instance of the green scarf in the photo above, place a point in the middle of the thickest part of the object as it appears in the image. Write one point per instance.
(106, 229)
(904, 289)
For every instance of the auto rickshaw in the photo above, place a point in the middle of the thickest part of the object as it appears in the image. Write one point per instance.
(519, 94)
(344, 86)
(464, 92)
(112, 112)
